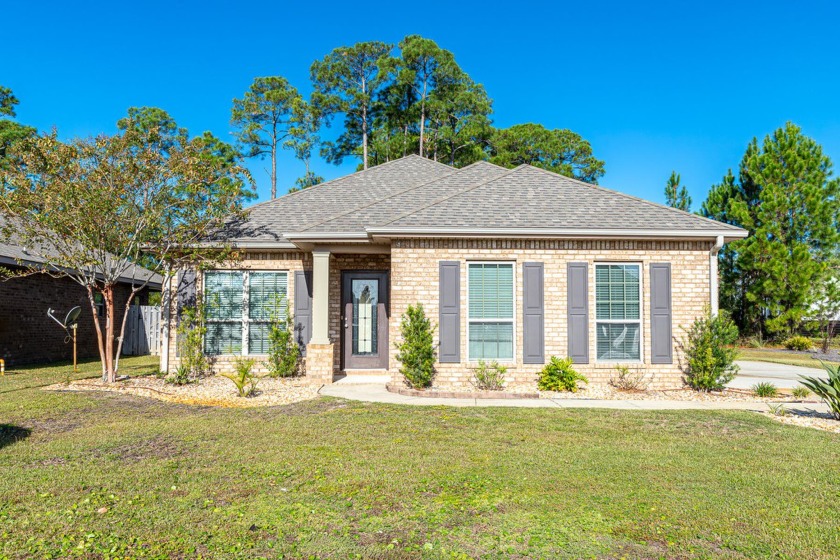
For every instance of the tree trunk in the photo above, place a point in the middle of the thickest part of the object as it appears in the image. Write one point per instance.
(108, 293)
(422, 124)
(364, 137)
(122, 330)
(274, 170)
(98, 327)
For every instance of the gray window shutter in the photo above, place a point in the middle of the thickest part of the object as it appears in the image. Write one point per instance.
(450, 312)
(661, 349)
(303, 308)
(185, 289)
(533, 322)
(577, 280)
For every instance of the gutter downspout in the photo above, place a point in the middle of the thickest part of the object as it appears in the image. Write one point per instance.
(713, 274)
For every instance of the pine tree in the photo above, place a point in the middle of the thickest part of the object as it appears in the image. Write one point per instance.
(786, 198)
(676, 196)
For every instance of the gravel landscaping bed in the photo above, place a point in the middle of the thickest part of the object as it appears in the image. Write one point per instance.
(209, 391)
(609, 392)
(808, 419)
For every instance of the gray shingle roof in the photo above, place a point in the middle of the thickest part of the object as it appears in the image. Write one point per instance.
(415, 193)
(12, 252)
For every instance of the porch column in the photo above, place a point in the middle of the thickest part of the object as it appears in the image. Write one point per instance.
(320, 352)
(320, 297)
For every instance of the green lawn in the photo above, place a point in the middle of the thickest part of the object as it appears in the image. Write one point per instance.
(767, 355)
(105, 476)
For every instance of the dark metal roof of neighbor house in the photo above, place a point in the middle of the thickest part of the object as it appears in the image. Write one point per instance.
(416, 196)
(13, 253)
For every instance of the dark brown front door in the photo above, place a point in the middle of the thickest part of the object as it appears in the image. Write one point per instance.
(364, 297)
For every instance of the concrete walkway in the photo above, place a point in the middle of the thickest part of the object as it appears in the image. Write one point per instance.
(782, 376)
(376, 392)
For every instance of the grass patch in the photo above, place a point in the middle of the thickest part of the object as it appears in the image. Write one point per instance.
(105, 475)
(775, 357)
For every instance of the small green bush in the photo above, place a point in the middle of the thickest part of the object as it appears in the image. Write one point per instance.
(283, 350)
(800, 343)
(190, 341)
(765, 389)
(826, 389)
(777, 409)
(710, 361)
(558, 375)
(626, 379)
(243, 379)
(800, 392)
(489, 377)
(416, 352)
(181, 376)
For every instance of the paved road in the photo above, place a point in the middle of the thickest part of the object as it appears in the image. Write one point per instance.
(780, 375)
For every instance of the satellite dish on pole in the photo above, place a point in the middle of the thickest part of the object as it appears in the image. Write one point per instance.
(70, 324)
(72, 316)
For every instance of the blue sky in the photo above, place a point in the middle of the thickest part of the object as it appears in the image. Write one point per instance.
(653, 86)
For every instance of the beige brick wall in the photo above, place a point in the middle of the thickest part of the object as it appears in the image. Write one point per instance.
(286, 261)
(414, 278)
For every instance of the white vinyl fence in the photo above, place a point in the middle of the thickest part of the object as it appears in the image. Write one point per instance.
(142, 331)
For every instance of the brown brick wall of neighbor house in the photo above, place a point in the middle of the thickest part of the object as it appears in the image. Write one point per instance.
(414, 278)
(28, 336)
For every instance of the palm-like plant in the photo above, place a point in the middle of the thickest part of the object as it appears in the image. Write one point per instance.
(828, 390)
(245, 381)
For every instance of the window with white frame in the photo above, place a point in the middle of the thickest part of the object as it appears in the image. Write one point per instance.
(240, 307)
(618, 320)
(490, 296)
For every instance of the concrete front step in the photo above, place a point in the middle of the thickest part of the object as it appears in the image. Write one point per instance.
(363, 377)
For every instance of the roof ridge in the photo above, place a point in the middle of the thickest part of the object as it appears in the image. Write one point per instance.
(455, 171)
(368, 205)
(360, 171)
(444, 198)
(625, 195)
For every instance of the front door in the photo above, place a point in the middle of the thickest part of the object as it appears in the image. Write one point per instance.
(364, 297)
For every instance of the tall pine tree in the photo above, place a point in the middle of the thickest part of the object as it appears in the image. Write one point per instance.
(786, 198)
(676, 195)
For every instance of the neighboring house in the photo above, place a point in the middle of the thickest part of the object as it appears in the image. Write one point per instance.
(514, 265)
(27, 334)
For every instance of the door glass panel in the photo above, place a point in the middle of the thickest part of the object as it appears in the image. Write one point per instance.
(365, 316)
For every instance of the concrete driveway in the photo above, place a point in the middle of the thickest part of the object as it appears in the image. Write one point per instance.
(781, 375)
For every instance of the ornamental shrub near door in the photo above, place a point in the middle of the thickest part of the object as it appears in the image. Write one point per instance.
(710, 359)
(416, 352)
(559, 375)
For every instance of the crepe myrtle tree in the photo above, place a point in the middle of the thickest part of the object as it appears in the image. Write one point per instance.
(92, 208)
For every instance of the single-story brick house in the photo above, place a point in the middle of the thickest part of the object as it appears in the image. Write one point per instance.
(514, 265)
(27, 334)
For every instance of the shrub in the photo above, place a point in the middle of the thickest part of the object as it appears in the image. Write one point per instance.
(558, 375)
(800, 392)
(416, 352)
(181, 376)
(777, 409)
(191, 330)
(800, 343)
(626, 379)
(283, 350)
(765, 389)
(710, 362)
(755, 342)
(245, 381)
(489, 377)
(826, 389)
